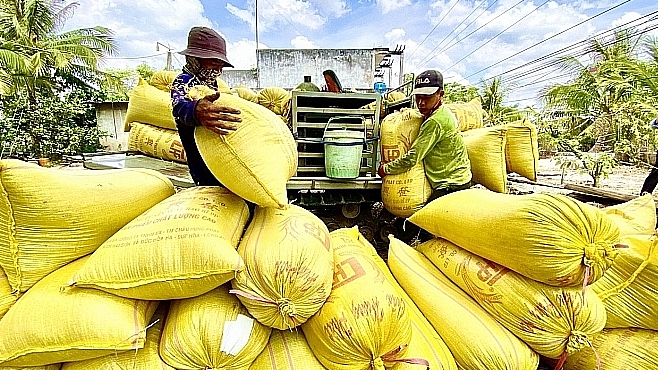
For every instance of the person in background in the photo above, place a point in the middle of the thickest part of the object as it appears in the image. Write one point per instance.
(652, 179)
(205, 58)
(439, 143)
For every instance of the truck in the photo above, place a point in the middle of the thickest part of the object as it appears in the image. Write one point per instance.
(338, 201)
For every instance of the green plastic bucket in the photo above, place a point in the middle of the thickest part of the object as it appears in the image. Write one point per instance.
(342, 152)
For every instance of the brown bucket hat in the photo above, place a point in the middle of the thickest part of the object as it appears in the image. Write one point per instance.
(204, 42)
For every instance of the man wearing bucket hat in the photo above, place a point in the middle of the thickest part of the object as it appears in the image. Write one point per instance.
(205, 58)
(439, 144)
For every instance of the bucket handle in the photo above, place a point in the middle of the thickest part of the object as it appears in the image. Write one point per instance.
(337, 118)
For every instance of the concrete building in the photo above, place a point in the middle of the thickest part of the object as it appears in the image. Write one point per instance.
(356, 69)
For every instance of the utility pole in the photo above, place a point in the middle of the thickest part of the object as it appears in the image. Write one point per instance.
(157, 48)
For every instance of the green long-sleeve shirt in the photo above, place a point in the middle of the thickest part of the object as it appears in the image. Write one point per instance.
(441, 147)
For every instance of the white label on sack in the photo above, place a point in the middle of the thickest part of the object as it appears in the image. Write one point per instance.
(236, 334)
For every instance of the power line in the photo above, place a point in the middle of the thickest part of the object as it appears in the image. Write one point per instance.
(146, 56)
(541, 42)
(456, 27)
(583, 52)
(571, 48)
(605, 44)
(473, 21)
(479, 28)
(437, 25)
(501, 32)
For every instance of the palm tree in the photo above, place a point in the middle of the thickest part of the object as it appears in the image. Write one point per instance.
(594, 100)
(10, 60)
(493, 95)
(33, 54)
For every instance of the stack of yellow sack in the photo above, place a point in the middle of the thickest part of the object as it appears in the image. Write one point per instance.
(475, 338)
(525, 260)
(150, 121)
(52, 220)
(498, 150)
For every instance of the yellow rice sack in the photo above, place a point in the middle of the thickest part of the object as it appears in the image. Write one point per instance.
(405, 193)
(551, 320)
(45, 367)
(486, 151)
(182, 247)
(426, 343)
(274, 99)
(211, 331)
(364, 322)
(474, 337)
(53, 217)
(146, 358)
(156, 142)
(286, 350)
(395, 96)
(7, 297)
(148, 104)
(635, 217)
(550, 238)
(619, 349)
(628, 288)
(49, 325)
(163, 79)
(288, 266)
(469, 115)
(245, 93)
(256, 160)
(398, 131)
(522, 149)
(223, 87)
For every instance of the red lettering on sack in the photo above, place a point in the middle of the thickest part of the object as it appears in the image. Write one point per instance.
(490, 272)
(346, 271)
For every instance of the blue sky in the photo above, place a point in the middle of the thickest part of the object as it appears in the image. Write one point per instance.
(467, 40)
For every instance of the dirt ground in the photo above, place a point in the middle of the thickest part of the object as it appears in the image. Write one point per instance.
(624, 179)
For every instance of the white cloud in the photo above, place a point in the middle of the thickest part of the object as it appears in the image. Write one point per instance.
(280, 14)
(244, 15)
(395, 35)
(332, 8)
(387, 6)
(139, 25)
(624, 20)
(242, 53)
(302, 42)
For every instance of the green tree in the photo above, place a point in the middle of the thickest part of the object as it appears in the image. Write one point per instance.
(53, 127)
(456, 92)
(35, 53)
(48, 77)
(493, 94)
(595, 105)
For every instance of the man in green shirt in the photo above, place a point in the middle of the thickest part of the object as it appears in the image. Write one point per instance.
(439, 143)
